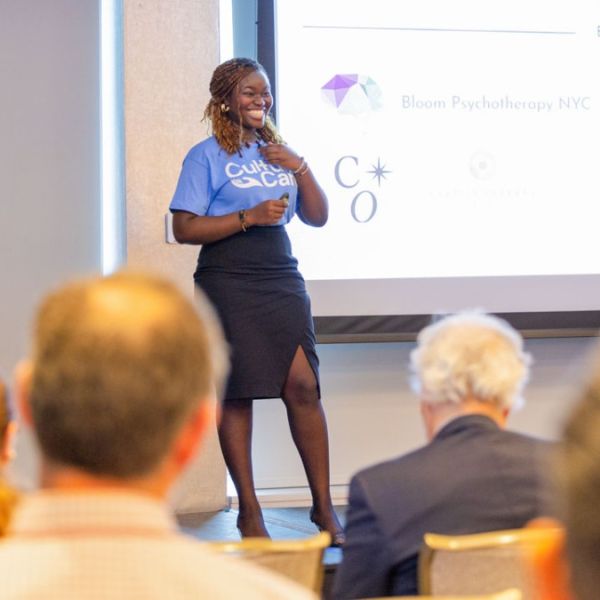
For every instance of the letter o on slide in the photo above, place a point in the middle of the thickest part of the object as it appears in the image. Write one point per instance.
(353, 208)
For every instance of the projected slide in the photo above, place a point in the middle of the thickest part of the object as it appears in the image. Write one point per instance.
(454, 138)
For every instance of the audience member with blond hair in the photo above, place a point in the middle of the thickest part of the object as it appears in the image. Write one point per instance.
(567, 564)
(119, 392)
(8, 426)
(473, 475)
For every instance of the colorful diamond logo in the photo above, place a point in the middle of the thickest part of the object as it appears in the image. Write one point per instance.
(352, 94)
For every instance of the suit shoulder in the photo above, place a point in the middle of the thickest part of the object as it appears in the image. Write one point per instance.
(529, 440)
(383, 470)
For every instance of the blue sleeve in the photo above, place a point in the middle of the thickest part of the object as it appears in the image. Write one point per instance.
(194, 191)
(364, 570)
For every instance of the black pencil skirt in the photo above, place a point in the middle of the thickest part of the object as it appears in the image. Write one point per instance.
(253, 281)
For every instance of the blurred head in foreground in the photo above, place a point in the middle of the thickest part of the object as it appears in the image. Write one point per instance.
(121, 382)
(568, 564)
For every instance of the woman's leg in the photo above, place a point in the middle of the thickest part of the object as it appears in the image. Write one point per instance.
(309, 432)
(235, 436)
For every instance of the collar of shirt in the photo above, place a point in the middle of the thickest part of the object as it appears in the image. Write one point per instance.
(458, 424)
(53, 513)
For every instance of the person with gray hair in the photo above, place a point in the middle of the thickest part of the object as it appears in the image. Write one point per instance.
(468, 370)
(120, 390)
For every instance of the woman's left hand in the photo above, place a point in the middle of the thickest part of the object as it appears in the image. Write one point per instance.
(281, 155)
(313, 209)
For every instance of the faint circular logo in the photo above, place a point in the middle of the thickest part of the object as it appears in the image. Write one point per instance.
(482, 165)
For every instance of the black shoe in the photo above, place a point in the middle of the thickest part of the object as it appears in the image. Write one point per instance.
(338, 538)
(243, 534)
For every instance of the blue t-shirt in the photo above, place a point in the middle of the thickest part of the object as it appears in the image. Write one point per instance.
(215, 183)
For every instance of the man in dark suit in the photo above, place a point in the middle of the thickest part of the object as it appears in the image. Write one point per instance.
(472, 476)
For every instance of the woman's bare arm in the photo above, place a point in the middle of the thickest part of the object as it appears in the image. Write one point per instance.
(189, 228)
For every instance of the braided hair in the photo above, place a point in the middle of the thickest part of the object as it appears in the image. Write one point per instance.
(227, 132)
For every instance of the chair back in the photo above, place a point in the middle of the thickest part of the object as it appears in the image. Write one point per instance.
(477, 563)
(298, 559)
(8, 500)
(510, 594)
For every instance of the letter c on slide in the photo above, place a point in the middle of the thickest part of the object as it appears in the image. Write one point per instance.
(338, 177)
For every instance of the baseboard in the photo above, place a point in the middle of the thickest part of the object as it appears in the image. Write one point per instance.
(293, 497)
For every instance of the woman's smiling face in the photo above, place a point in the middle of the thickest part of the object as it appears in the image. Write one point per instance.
(251, 101)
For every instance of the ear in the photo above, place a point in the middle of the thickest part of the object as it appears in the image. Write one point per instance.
(7, 452)
(550, 570)
(500, 415)
(427, 415)
(23, 377)
(193, 433)
(218, 411)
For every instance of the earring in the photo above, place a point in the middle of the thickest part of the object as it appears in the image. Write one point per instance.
(224, 107)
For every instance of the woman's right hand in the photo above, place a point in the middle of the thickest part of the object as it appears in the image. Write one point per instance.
(268, 212)
(190, 228)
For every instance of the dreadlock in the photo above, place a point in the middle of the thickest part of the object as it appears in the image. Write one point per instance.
(225, 78)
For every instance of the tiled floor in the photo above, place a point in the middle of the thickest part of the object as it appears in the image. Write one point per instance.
(282, 523)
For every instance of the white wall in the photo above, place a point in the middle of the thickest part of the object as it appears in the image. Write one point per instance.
(49, 163)
(374, 416)
(49, 155)
(170, 50)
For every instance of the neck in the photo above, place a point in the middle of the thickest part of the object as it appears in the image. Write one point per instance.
(250, 135)
(70, 479)
(438, 415)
